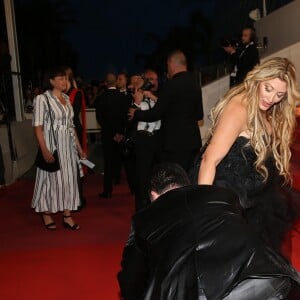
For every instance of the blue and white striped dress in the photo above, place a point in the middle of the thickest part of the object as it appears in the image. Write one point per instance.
(57, 191)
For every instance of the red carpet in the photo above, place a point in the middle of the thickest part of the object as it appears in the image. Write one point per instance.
(40, 264)
(292, 245)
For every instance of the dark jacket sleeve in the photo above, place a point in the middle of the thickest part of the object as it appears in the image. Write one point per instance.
(77, 109)
(134, 273)
(247, 62)
(99, 110)
(200, 107)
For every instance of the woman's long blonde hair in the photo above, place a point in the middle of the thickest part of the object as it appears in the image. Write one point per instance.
(281, 115)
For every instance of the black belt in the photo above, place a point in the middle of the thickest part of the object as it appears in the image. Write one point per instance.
(147, 133)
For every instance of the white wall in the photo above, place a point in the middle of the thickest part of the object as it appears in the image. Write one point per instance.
(292, 53)
(212, 92)
(281, 27)
(25, 147)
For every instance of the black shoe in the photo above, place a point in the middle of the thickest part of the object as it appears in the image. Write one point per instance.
(104, 195)
(68, 226)
(49, 226)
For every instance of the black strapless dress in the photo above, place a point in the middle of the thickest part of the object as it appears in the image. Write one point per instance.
(267, 205)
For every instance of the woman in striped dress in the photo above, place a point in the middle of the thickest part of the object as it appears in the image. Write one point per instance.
(57, 191)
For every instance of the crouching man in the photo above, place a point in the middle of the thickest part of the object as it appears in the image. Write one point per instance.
(192, 242)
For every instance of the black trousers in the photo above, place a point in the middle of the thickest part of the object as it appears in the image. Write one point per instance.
(112, 158)
(130, 170)
(147, 150)
(184, 158)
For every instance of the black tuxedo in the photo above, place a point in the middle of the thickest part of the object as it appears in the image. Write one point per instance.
(111, 108)
(193, 241)
(111, 111)
(247, 59)
(179, 107)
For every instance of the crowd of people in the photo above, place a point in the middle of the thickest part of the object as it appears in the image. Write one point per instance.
(209, 219)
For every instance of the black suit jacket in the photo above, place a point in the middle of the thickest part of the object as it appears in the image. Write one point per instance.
(111, 112)
(190, 233)
(179, 107)
(247, 60)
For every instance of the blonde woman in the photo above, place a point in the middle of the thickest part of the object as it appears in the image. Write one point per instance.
(249, 144)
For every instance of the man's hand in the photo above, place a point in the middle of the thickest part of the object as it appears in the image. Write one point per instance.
(229, 49)
(131, 113)
(138, 96)
(149, 95)
(118, 138)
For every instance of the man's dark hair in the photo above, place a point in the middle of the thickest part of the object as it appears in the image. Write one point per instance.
(166, 176)
(125, 74)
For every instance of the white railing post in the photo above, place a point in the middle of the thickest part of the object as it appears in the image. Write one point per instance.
(15, 64)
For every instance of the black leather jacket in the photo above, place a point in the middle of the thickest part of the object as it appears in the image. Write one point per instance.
(194, 240)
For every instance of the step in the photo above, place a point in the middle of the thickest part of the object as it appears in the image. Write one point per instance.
(295, 149)
(294, 241)
(296, 135)
(295, 170)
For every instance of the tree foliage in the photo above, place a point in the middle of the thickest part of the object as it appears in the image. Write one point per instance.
(193, 39)
(41, 25)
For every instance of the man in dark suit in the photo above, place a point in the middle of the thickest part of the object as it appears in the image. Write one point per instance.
(179, 107)
(248, 58)
(147, 142)
(111, 107)
(192, 242)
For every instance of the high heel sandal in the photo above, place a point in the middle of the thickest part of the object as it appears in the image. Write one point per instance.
(49, 226)
(68, 226)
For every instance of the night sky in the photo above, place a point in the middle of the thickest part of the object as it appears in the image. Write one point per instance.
(108, 34)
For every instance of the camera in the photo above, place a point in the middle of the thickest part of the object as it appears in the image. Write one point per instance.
(225, 42)
(147, 85)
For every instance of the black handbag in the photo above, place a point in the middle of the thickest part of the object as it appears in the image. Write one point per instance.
(40, 161)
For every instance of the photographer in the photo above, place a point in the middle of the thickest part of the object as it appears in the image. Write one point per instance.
(243, 55)
(248, 57)
(180, 108)
(230, 47)
(147, 145)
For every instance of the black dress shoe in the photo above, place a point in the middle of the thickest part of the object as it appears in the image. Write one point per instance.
(104, 195)
(68, 226)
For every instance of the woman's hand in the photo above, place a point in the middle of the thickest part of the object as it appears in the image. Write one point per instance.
(48, 157)
(82, 154)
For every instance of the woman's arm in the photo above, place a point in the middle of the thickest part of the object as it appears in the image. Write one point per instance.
(232, 122)
(81, 153)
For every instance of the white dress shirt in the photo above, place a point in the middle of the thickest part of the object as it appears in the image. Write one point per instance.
(148, 126)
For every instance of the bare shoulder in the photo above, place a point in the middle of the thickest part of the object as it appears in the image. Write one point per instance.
(237, 105)
(233, 119)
